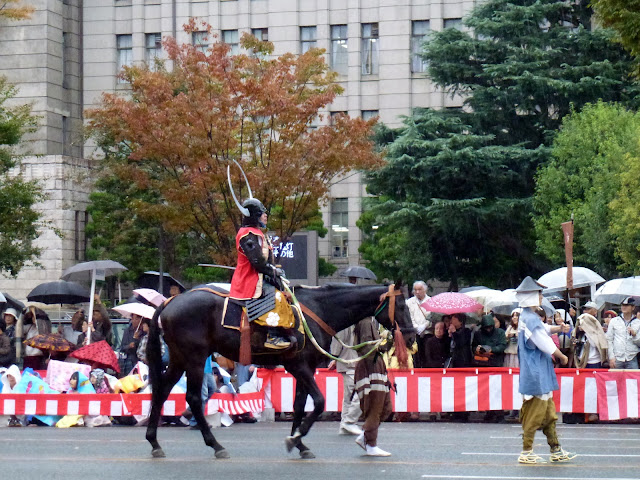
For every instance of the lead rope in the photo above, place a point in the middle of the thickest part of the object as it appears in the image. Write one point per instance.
(375, 343)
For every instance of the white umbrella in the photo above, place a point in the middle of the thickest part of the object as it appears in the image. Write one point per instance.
(616, 290)
(556, 280)
(90, 271)
(2, 299)
(504, 303)
(487, 297)
(141, 309)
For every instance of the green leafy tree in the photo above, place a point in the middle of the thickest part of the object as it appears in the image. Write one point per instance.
(449, 205)
(20, 221)
(624, 17)
(583, 178)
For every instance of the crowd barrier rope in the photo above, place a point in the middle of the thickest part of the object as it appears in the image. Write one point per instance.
(613, 394)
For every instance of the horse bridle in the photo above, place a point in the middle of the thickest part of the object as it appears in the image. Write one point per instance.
(389, 296)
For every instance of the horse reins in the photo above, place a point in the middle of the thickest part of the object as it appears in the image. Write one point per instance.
(389, 296)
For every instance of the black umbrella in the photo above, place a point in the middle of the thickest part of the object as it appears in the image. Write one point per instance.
(359, 272)
(150, 280)
(59, 292)
(12, 302)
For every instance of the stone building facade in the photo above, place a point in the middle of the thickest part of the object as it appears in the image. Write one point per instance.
(70, 52)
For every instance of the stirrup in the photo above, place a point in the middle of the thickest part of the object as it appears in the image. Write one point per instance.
(558, 454)
(528, 457)
(276, 343)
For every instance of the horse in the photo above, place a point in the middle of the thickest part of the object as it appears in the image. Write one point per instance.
(192, 326)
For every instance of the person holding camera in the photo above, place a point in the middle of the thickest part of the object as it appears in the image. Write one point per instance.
(489, 343)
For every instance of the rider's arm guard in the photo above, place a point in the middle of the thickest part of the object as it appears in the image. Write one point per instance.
(252, 248)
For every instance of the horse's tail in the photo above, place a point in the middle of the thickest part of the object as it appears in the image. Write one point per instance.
(154, 351)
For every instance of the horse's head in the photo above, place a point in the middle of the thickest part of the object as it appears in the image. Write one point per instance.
(393, 314)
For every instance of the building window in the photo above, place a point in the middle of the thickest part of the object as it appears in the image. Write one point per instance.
(124, 47)
(200, 40)
(230, 37)
(419, 33)
(308, 38)
(261, 34)
(153, 48)
(339, 57)
(370, 45)
(333, 115)
(453, 23)
(369, 114)
(340, 227)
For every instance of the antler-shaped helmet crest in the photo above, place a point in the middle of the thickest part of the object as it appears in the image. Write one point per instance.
(244, 210)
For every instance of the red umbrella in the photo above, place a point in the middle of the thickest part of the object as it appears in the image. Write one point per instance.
(451, 302)
(98, 355)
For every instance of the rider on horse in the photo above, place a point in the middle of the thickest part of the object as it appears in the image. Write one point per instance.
(257, 280)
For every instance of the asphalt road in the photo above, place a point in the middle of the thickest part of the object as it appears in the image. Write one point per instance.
(420, 450)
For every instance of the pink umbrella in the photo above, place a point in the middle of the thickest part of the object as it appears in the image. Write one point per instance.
(151, 296)
(451, 302)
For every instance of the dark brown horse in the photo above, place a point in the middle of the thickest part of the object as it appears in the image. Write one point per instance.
(192, 330)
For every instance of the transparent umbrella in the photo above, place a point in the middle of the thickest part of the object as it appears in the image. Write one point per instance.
(97, 269)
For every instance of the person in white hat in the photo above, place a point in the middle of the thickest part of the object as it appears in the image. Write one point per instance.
(537, 376)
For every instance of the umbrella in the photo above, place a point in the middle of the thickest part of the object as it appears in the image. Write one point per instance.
(149, 295)
(150, 279)
(98, 355)
(50, 341)
(507, 301)
(473, 289)
(12, 302)
(59, 292)
(451, 302)
(359, 272)
(556, 280)
(141, 309)
(616, 290)
(89, 271)
(487, 296)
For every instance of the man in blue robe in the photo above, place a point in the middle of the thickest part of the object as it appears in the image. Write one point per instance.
(537, 376)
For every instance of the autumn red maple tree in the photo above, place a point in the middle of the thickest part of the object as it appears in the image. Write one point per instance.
(179, 127)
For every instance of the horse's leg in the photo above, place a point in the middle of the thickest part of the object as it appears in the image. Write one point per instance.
(194, 397)
(303, 374)
(298, 414)
(169, 378)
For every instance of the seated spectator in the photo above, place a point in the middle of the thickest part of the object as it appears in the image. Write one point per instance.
(489, 343)
(437, 347)
(10, 378)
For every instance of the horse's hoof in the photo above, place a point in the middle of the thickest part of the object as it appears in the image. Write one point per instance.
(222, 454)
(291, 442)
(307, 454)
(157, 453)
